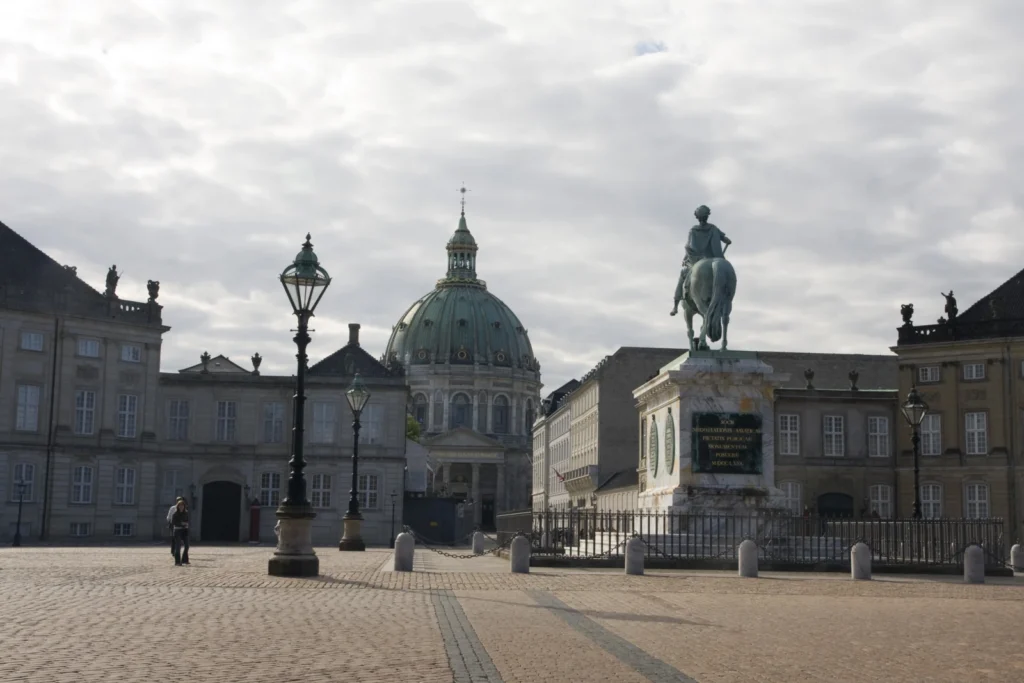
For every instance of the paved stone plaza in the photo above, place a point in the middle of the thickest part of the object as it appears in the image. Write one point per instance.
(127, 614)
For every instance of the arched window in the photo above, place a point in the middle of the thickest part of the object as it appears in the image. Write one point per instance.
(461, 412)
(481, 412)
(501, 411)
(420, 408)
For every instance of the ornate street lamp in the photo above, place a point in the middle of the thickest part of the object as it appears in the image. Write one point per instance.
(352, 539)
(21, 486)
(304, 282)
(914, 410)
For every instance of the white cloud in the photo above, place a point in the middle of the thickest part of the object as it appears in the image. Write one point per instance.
(858, 160)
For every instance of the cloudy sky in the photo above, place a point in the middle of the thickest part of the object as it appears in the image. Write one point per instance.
(859, 155)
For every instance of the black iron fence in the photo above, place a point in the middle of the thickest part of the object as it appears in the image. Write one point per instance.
(678, 539)
(508, 524)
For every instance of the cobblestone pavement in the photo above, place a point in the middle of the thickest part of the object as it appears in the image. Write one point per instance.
(127, 614)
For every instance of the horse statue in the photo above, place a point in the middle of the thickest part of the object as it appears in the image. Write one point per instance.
(707, 283)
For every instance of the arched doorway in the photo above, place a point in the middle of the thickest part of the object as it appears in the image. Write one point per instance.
(222, 512)
(835, 505)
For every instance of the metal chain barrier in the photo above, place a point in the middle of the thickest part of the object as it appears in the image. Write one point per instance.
(426, 543)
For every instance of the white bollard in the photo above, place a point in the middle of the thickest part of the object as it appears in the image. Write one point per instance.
(478, 543)
(860, 562)
(520, 555)
(748, 559)
(1017, 558)
(405, 546)
(974, 564)
(635, 557)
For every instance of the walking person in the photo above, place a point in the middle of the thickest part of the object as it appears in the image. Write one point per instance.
(170, 513)
(179, 522)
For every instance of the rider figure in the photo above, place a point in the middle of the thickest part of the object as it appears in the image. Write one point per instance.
(705, 241)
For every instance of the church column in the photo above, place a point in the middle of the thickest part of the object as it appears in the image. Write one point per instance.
(475, 493)
(476, 409)
(499, 497)
(447, 408)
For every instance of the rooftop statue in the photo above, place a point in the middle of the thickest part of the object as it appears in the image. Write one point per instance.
(707, 282)
(112, 278)
(950, 305)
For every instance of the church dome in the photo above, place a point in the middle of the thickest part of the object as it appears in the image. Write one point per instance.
(460, 322)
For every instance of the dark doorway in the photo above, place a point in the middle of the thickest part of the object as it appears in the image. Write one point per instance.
(222, 512)
(487, 514)
(835, 505)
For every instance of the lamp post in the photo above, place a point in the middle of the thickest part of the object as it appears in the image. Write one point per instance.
(21, 486)
(304, 282)
(394, 495)
(352, 539)
(914, 409)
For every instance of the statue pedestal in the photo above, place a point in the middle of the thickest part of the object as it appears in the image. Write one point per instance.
(709, 421)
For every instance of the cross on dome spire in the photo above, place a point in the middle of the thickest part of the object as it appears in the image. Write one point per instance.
(462, 250)
(463, 190)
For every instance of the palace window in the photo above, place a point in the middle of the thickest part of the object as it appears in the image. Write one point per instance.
(792, 497)
(123, 529)
(368, 491)
(127, 410)
(131, 353)
(177, 420)
(81, 528)
(976, 431)
(931, 501)
(323, 422)
(880, 496)
(320, 493)
(173, 487)
(89, 348)
(273, 422)
(931, 434)
(124, 489)
(24, 472)
(270, 489)
(835, 444)
(81, 484)
(974, 371)
(85, 412)
(27, 416)
(31, 341)
(928, 374)
(371, 423)
(977, 501)
(789, 435)
(878, 437)
(227, 412)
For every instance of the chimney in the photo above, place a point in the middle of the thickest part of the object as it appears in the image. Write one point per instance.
(353, 334)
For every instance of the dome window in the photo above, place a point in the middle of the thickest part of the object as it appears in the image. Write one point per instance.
(496, 324)
(462, 322)
(427, 322)
(462, 354)
(422, 355)
(500, 357)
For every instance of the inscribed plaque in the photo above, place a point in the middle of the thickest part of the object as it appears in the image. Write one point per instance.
(727, 443)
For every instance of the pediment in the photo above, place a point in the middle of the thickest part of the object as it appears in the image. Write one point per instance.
(462, 437)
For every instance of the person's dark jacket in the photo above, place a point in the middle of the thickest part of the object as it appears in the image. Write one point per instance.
(179, 520)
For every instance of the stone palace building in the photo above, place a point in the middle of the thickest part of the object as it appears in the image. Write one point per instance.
(104, 441)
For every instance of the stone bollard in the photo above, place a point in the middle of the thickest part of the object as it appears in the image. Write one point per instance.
(860, 562)
(520, 555)
(635, 557)
(748, 559)
(1017, 558)
(405, 546)
(478, 543)
(974, 564)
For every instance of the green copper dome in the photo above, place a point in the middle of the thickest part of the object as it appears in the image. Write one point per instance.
(460, 322)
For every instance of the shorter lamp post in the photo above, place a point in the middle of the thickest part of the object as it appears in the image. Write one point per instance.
(21, 486)
(352, 538)
(394, 496)
(914, 409)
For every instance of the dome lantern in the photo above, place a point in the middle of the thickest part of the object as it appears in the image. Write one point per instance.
(462, 250)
